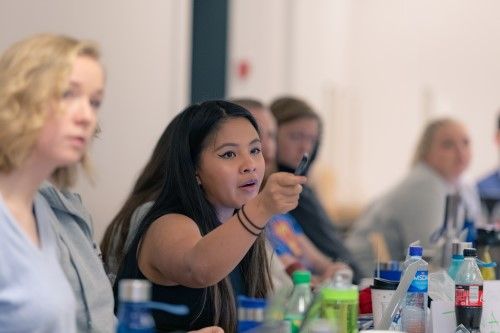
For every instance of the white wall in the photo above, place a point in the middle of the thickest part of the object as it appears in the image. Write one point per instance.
(146, 49)
(415, 59)
(376, 71)
(256, 34)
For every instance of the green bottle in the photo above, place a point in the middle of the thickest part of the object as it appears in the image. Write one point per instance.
(299, 300)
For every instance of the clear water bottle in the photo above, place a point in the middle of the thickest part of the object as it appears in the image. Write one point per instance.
(299, 300)
(469, 293)
(457, 257)
(134, 315)
(413, 313)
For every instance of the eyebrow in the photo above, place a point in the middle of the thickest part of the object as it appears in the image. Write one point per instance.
(78, 85)
(229, 144)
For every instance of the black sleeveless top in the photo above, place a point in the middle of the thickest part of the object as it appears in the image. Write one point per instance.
(198, 300)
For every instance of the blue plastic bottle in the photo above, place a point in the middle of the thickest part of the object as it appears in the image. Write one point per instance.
(134, 315)
(250, 312)
(413, 314)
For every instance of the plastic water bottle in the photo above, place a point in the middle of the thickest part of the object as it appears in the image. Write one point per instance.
(457, 257)
(413, 313)
(469, 293)
(134, 315)
(299, 300)
(250, 312)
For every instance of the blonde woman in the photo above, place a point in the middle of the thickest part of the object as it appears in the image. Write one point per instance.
(51, 89)
(414, 209)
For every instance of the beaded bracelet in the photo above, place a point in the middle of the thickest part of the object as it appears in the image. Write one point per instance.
(250, 221)
(256, 234)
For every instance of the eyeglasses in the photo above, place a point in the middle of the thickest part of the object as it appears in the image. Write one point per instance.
(299, 137)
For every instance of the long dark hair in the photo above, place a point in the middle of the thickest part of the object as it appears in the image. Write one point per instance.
(180, 193)
(146, 188)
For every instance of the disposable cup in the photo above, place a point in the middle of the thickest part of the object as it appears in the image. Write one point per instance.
(382, 291)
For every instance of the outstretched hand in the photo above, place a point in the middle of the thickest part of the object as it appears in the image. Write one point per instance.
(281, 192)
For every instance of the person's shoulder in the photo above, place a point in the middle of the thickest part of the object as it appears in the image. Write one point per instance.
(174, 220)
(492, 178)
(422, 179)
(489, 185)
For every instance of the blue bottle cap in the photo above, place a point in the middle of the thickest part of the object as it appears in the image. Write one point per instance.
(416, 251)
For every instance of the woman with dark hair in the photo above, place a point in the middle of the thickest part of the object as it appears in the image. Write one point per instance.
(191, 244)
(122, 228)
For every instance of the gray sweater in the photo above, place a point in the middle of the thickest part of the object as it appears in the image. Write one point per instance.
(81, 262)
(411, 211)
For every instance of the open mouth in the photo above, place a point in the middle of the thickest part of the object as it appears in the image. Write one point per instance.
(78, 141)
(250, 183)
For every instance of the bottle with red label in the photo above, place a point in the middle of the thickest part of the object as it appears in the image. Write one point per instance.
(469, 293)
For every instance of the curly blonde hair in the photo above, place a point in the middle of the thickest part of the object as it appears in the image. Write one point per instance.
(33, 75)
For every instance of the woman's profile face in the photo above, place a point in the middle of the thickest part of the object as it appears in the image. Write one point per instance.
(295, 138)
(66, 134)
(231, 165)
(450, 152)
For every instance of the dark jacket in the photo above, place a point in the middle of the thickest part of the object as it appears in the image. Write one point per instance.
(320, 229)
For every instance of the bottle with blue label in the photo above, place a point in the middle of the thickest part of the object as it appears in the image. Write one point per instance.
(413, 313)
(134, 315)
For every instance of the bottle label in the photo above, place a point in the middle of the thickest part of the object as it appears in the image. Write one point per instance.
(419, 283)
(469, 295)
(295, 323)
